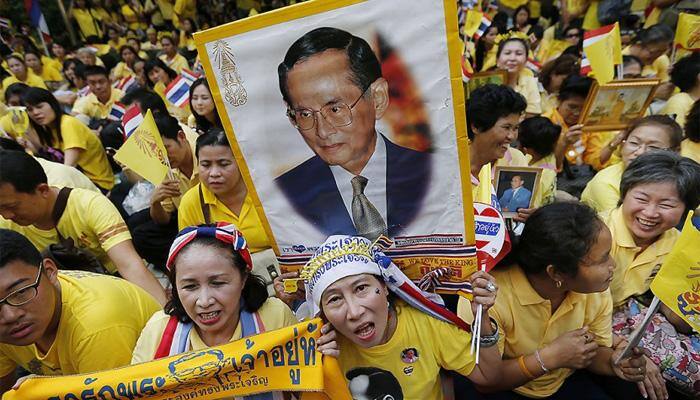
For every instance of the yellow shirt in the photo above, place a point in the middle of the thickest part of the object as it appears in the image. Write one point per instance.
(594, 142)
(436, 344)
(177, 63)
(116, 45)
(183, 9)
(121, 70)
(90, 219)
(634, 271)
(186, 182)
(274, 314)
(49, 73)
(527, 86)
(15, 123)
(101, 318)
(86, 22)
(248, 221)
(657, 69)
(32, 80)
(548, 181)
(52, 62)
(93, 108)
(131, 17)
(603, 191)
(590, 20)
(679, 104)
(526, 323)
(187, 42)
(512, 4)
(93, 159)
(690, 149)
(61, 175)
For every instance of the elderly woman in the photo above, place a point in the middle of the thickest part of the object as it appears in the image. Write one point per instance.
(655, 132)
(657, 189)
(394, 339)
(555, 311)
(215, 297)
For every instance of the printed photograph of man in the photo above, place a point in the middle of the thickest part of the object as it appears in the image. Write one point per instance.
(517, 196)
(358, 181)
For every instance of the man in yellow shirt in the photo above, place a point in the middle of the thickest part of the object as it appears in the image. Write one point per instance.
(99, 102)
(27, 203)
(61, 323)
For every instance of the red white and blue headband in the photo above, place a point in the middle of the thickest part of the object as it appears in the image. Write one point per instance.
(222, 231)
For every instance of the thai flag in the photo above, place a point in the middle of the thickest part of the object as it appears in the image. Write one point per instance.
(190, 75)
(37, 18)
(585, 65)
(131, 120)
(533, 65)
(5, 23)
(485, 23)
(178, 92)
(126, 83)
(117, 111)
(466, 70)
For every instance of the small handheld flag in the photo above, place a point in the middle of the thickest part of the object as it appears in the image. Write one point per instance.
(131, 120)
(178, 92)
(126, 83)
(481, 30)
(190, 75)
(117, 111)
(144, 152)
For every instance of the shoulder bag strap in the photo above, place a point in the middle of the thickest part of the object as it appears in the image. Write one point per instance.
(59, 207)
(205, 207)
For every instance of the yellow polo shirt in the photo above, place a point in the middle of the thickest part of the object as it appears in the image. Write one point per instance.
(248, 221)
(527, 86)
(679, 104)
(131, 17)
(186, 182)
(634, 271)
(177, 63)
(90, 219)
(274, 314)
(86, 22)
(89, 105)
(32, 80)
(526, 323)
(121, 70)
(548, 180)
(594, 142)
(49, 73)
(93, 159)
(101, 319)
(690, 149)
(61, 175)
(603, 191)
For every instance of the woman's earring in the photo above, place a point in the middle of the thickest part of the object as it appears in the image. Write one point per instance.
(557, 284)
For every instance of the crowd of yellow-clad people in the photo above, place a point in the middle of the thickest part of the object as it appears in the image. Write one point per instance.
(559, 308)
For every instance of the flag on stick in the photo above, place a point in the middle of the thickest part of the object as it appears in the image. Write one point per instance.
(144, 152)
(178, 91)
(117, 111)
(688, 32)
(131, 120)
(602, 48)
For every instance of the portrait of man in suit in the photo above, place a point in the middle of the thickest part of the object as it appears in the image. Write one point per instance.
(518, 196)
(358, 181)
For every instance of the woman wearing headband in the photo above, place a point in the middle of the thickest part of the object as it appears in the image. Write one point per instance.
(381, 319)
(215, 297)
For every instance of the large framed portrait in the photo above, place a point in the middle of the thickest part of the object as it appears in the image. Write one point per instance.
(347, 117)
(614, 105)
(516, 187)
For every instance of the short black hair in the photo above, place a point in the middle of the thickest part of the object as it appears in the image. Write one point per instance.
(558, 234)
(147, 99)
(157, 62)
(213, 137)
(692, 123)
(364, 65)
(539, 134)
(15, 89)
(659, 33)
(254, 292)
(664, 166)
(21, 170)
(488, 103)
(575, 85)
(685, 72)
(10, 144)
(95, 70)
(17, 247)
(562, 65)
(168, 126)
(381, 382)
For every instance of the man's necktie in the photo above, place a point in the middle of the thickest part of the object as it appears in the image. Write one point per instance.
(368, 222)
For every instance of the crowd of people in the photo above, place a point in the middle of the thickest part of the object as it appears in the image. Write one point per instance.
(96, 260)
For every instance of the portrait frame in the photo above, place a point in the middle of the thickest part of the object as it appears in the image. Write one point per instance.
(497, 77)
(606, 110)
(453, 249)
(503, 176)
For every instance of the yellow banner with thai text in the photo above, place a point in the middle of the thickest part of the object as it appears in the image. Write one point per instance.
(282, 360)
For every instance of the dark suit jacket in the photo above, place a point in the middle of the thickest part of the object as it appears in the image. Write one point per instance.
(310, 188)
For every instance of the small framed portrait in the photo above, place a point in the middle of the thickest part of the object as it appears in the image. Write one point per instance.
(516, 187)
(614, 105)
(497, 77)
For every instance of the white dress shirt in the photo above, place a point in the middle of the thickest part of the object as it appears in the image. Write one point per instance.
(374, 171)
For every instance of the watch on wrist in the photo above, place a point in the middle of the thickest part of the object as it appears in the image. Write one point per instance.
(492, 339)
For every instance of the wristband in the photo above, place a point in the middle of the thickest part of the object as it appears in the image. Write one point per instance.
(539, 360)
(523, 368)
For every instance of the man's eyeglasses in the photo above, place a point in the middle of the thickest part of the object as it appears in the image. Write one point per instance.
(24, 295)
(337, 114)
